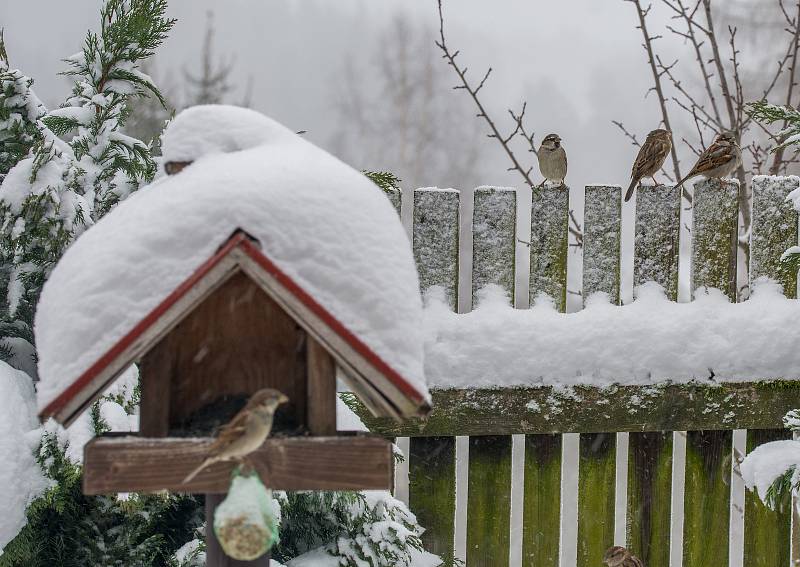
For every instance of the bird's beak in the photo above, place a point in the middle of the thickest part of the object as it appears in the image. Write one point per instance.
(282, 399)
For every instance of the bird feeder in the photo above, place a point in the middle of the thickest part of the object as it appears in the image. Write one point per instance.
(236, 325)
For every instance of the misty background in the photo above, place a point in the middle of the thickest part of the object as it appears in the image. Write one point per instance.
(366, 81)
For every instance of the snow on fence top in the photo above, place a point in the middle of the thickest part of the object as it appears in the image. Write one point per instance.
(324, 224)
(652, 340)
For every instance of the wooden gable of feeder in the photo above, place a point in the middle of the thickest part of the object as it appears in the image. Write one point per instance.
(237, 325)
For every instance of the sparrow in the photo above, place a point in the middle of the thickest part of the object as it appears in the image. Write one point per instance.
(552, 159)
(618, 556)
(650, 158)
(246, 432)
(719, 160)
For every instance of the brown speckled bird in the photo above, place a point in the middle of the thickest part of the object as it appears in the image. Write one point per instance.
(246, 432)
(553, 159)
(618, 556)
(719, 160)
(650, 158)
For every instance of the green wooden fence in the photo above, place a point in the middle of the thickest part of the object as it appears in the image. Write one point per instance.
(651, 415)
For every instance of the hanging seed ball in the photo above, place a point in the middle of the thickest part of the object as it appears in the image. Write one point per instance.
(246, 522)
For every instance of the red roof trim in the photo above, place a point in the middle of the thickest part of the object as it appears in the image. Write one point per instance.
(358, 345)
(241, 240)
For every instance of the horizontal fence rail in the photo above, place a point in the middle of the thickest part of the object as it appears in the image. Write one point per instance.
(671, 449)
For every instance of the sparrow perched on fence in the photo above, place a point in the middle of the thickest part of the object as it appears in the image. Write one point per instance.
(618, 556)
(552, 159)
(246, 432)
(650, 158)
(719, 160)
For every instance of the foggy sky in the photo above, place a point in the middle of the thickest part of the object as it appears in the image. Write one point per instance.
(579, 64)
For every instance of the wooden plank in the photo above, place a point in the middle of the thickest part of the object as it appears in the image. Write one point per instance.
(774, 230)
(596, 482)
(215, 557)
(658, 227)
(494, 239)
(489, 504)
(133, 464)
(706, 520)
(541, 514)
(767, 533)
(432, 491)
(549, 244)
(664, 407)
(714, 235)
(602, 219)
(156, 375)
(321, 410)
(435, 239)
(649, 496)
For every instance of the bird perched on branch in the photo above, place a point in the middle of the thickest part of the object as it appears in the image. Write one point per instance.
(618, 556)
(650, 158)
(246, 432)
(719, 160)
(552, 159)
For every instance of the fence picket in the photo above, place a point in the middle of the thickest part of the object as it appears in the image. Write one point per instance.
(435, 238)
(489, 504)
(714, 235)
(432, 491)
(541, 515)
(649, 496)
(706, 520)
(596, 481)
(601, 240)
(774, 230)
(549, 243)
(395, 197)
(766, 532)
(656, 247)
(494, 238)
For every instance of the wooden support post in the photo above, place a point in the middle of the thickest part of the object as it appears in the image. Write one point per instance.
(541, 509)
(494, 239)
(649, 496)
(215, 557)
(550, 243)
(602, 219)
(435, 240)
(658, 227)
(774, 230)
(714, 235)
(596, 484)
(489, 506)
(321, 390)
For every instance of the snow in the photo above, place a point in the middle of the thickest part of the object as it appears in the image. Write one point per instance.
(647, 341)
(346, 419)
(325, 224)
(21, 479)
(767, 462)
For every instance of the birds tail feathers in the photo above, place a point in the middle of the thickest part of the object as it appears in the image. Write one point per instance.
(629, 194)
(196, 471)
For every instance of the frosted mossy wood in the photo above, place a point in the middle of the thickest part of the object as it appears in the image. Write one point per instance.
(666, 407)
(432, 491)
(596, 482)
(649, 496)
(395, 197)
(656, 247)
(541, 508)
(766, 532)
(435, 240)
(714, 235)
(602, 219)
(774, 230)
(489, 501)
(494, 238)
(706, 503)
(549, 243)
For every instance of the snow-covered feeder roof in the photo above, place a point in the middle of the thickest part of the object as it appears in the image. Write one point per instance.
(316, 235)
